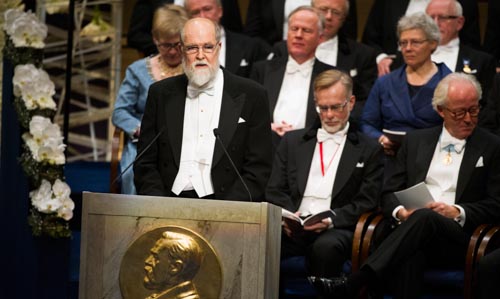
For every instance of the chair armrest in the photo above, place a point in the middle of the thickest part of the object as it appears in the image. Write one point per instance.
(117, 144)
(485, 238)
(364, 229)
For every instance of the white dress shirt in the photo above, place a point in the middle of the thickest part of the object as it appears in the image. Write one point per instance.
(318, 192)
(201, 116)
(442, 176)
(291, 105)
(327, 51)
(448, 54)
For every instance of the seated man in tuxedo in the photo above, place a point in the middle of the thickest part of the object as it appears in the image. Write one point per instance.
(356, 59)
(180, 154)
(328, 166)
(448, 14)
(238, 51)
(288, 79)
(460, 165)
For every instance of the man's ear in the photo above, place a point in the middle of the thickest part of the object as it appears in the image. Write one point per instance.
(176, 267)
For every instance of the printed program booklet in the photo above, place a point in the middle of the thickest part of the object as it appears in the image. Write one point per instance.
(415, 197)
(394, 136)
(297, 223)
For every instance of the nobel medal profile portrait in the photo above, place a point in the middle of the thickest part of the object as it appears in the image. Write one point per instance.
(170, 263)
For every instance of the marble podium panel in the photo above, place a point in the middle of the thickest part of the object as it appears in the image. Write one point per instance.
(119, 232)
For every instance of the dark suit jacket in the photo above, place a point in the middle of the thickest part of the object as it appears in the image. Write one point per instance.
(380, 28)
(248, 143)
(265, 19)
(242, 52)
(478, 187)
(357, 184)
(357, 60)
(490, 114)
(492, 34)
(270, 74)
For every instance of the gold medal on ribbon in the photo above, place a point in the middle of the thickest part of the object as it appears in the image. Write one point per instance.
(447, 160)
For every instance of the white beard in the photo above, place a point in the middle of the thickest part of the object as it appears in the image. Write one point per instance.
(200, 78)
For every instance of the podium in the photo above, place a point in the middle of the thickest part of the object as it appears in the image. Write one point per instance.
(240, 242)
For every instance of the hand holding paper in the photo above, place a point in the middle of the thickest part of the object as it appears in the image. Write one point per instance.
(415, 197)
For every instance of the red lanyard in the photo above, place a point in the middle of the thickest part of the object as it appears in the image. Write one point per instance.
(321, 158)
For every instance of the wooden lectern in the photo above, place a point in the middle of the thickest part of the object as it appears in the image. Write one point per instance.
(245, 238)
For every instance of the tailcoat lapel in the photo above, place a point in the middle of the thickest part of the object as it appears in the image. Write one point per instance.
(232, 104)
(175, 102)
(472, 153)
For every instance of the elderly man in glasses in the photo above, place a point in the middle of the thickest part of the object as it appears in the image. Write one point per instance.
(328, 166)
(460, 166)
(181, 154)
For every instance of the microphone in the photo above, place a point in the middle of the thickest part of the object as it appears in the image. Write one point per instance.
(217, 136)
(139, 155)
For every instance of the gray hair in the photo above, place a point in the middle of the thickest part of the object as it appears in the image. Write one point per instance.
(441, 92)
(217, 29)
(321, 18)
(420, 21)
(346, 3)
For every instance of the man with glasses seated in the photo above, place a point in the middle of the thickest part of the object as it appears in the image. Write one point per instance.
(448, 14)
(181, 154)
(328, 166)
(460, 165)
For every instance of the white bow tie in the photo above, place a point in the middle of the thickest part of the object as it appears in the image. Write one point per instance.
(194, 92)
(292, 67)
(452, 144)
(323, 135)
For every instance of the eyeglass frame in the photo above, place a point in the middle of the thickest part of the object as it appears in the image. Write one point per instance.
(414, 43)
(335, 12)
(195, 49)
(444, 18)
(168, 46)
(464, 111)
(337, 108)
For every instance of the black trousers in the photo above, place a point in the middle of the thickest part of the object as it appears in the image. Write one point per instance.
(425, 240)
(488, 275)
(325, 253)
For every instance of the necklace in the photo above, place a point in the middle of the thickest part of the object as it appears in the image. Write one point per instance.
(166, 70)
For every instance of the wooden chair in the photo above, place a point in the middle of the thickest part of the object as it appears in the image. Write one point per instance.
(293, 270)
(117, 144)
(484, 239)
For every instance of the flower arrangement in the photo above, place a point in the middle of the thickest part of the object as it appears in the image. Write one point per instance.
(42, 158)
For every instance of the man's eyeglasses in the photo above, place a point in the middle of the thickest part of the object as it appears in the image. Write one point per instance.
(443, 18)
(168, 46)
(335, 13)
(335, 108)
(206, 48)
(412, 42)
(460, 114)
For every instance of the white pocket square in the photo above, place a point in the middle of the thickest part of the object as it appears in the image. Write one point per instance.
(353, 72)
(241, 120)
(360, 165)
(243, 62)
(480, 162)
